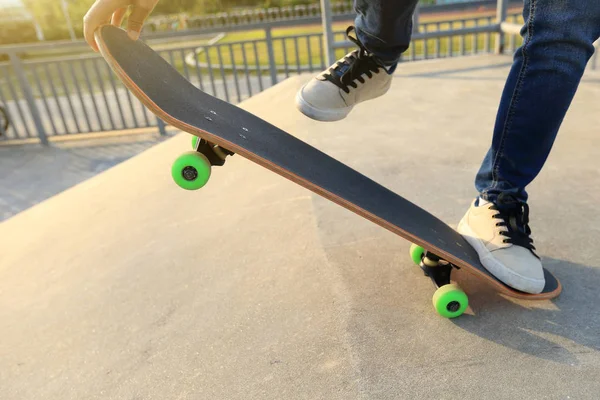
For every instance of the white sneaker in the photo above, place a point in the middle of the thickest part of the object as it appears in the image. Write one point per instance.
(355, 78)
(501, 236)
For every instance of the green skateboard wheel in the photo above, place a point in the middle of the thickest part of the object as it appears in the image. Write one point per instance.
(450, 301)
(416, 253)
(191, 170)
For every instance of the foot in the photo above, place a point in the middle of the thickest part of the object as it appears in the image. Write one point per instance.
(501, 236)
(357, 77)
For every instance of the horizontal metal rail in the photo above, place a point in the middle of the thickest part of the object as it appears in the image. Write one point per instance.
(438, 34)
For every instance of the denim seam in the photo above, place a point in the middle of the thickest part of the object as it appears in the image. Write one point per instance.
(514, 99)
(371, 35)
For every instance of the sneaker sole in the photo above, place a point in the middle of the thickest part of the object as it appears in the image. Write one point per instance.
(505, 275)
(320, 114)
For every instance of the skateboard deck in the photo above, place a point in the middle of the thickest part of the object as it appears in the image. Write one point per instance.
(171, 97)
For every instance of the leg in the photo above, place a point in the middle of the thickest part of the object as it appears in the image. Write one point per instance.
(558, 37)
(384, 27)
(558, 42)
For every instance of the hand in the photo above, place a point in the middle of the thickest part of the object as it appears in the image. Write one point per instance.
(113, 11)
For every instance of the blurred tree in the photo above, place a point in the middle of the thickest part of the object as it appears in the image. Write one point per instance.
(16, 32)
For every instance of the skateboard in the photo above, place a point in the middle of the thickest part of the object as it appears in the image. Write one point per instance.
(221, 130)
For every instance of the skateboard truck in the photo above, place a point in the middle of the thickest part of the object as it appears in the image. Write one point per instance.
(215, 154)
(449, 300)
(437, 269)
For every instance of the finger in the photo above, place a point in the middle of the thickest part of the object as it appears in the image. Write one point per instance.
(136, 21)
(88, 33)
(117, 17)
(98, 14)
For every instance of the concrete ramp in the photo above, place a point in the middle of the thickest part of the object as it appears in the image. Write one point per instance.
(126, 286)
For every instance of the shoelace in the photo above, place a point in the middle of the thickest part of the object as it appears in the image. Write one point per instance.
(514, 215)
(349, 69)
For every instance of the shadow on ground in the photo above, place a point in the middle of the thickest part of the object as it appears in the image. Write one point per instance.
(532, 327)
(390, 313)
(38, 173)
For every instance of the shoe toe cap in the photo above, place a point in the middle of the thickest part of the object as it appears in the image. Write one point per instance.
(518, 268)
(322, 94)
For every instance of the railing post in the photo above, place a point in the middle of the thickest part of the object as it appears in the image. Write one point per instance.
(272, 65)
(17, 66)
(327, 32)
(161, 127)
(415, 20)
(501, 11)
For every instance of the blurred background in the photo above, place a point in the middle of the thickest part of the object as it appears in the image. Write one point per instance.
(52, 85)
(53, 88)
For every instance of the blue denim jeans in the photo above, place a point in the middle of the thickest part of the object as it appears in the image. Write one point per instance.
(558, 37)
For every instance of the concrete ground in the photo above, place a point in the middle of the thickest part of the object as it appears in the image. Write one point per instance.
(36, 173)
(126, 287)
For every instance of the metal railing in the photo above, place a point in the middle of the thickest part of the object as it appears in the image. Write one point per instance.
(63, 89)
(261, 15)
(244, 17)
(49, 96)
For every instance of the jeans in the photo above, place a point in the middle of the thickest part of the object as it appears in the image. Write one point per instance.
(558, 37)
